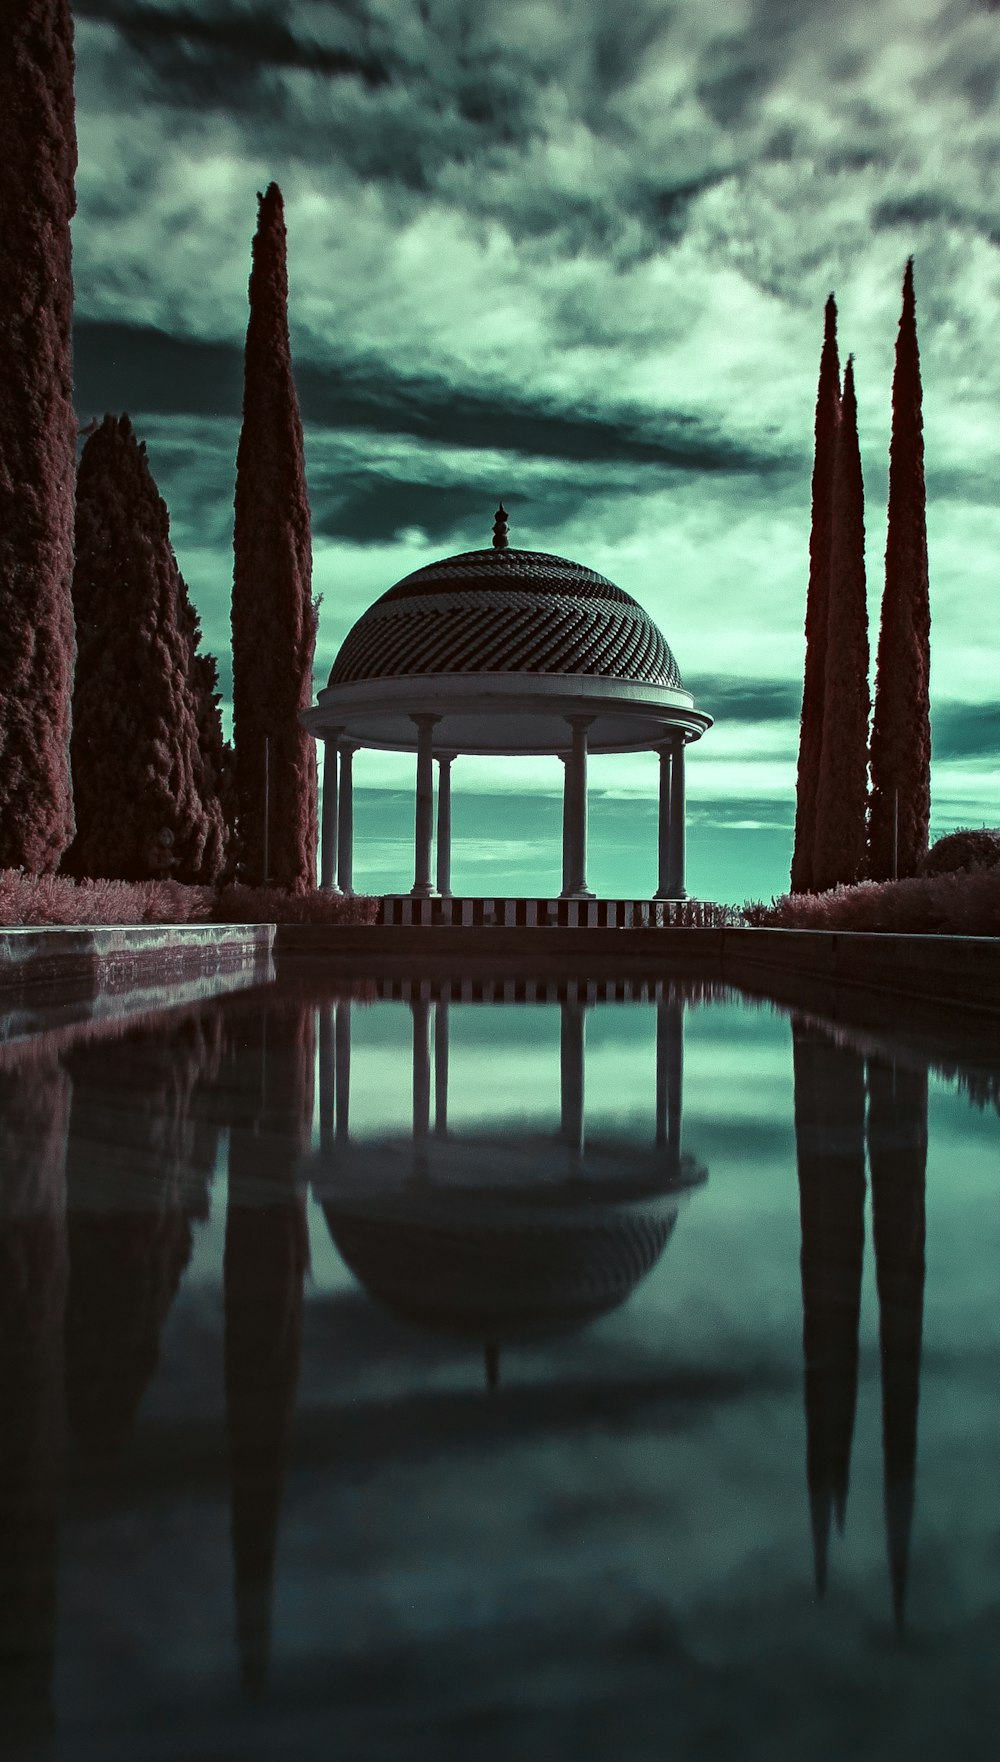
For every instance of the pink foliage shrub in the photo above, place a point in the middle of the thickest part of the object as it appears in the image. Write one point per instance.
(271, 905)
(960, 904)
(58, 899)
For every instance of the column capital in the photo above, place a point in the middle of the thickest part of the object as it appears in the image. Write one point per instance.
(579, 720)
(446, 758)
(425, 718)
(348, 746)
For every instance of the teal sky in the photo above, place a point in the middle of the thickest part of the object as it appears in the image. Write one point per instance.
(577, 259)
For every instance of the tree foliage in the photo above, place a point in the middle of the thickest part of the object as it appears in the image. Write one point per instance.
(817, 602)
(274, 619)
(839, 848)
(901, 730)
(145, 800)
(37, 431)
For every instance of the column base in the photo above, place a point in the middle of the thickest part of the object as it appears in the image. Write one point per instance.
(671, 896)
(421, 890)
(331, 888)
(577, 893)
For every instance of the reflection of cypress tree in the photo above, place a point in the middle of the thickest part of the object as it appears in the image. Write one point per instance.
(897, 1148)
(265, 1262)
(131, 1209)
(34, 1103)
(830, 1143)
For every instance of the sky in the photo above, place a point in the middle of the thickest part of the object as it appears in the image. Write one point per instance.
(575, 256)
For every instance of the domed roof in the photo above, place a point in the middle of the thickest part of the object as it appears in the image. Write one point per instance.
(473, 1266)
(506, 611)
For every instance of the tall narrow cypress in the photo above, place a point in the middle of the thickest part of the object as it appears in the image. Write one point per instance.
(37, 431)
(901, 730)
(274, 619)
(143, 802)
(842, 788)
(817, 602)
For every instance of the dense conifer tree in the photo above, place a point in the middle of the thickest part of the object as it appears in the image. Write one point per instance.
(37, 431)
(901, 730)
(817, 601)
(144, 802)
(274, 619)
(842, 785)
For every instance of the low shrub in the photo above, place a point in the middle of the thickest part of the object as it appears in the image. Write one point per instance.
(968, 847)
(270, 905)
(963, 903)
(58, 899)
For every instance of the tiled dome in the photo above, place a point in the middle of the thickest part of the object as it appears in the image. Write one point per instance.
(506, 611)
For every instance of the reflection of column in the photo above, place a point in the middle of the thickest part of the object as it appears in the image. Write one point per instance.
(345, 818)
(572, 1040)
(669, 1078)
(327, 1077)
(421, 1012)
(576, 801)
(664, 750)
(423, 886)
(444, 825)
(676, 839)
(328, 830)
(441, 1069)
(830, 1148)
(343, 1068)
(897, 1151)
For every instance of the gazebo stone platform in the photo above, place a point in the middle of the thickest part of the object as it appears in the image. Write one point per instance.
(534, 913)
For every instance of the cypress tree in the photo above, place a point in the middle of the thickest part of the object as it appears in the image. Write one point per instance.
(138, 772)
(37, 431)
(842, 787)
(817, 601)
(901, 730)
(274, 619)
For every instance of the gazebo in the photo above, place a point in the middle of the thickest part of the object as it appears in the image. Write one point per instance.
(504, 652)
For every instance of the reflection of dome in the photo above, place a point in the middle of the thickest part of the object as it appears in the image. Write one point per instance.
(506, 611)
(500, 1267)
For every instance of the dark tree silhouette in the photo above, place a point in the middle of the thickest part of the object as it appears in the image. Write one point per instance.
(901, 728)
(830, 1148)
(839, 848)
(34, 1103)
(146, 801)
(266, 1254)
(897, 1150)
(817, 602)
(274, 619)
(132, 1206)
(37, 431)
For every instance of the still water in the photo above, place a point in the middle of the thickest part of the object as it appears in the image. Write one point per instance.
(456, 1369)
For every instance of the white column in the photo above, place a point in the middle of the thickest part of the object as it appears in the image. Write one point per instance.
(345, 818)
(444, 825)
(577, 766)
(420, 1010)
(675, 877)
(665, 750)
(423, 886)
(328, 829)
(567, 817)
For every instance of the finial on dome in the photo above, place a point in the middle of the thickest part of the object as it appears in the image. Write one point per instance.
(500, 529)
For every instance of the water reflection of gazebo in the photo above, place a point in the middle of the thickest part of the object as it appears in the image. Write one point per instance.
(504, 1231)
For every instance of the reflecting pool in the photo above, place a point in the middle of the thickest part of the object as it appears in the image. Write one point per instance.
(474, 1367)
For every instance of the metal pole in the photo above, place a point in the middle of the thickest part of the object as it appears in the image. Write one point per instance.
(267, 802)
(895, 834)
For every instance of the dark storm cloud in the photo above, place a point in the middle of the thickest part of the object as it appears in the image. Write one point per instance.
(747, 700)
(217, 52)
(961, 731)
(122, 367)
